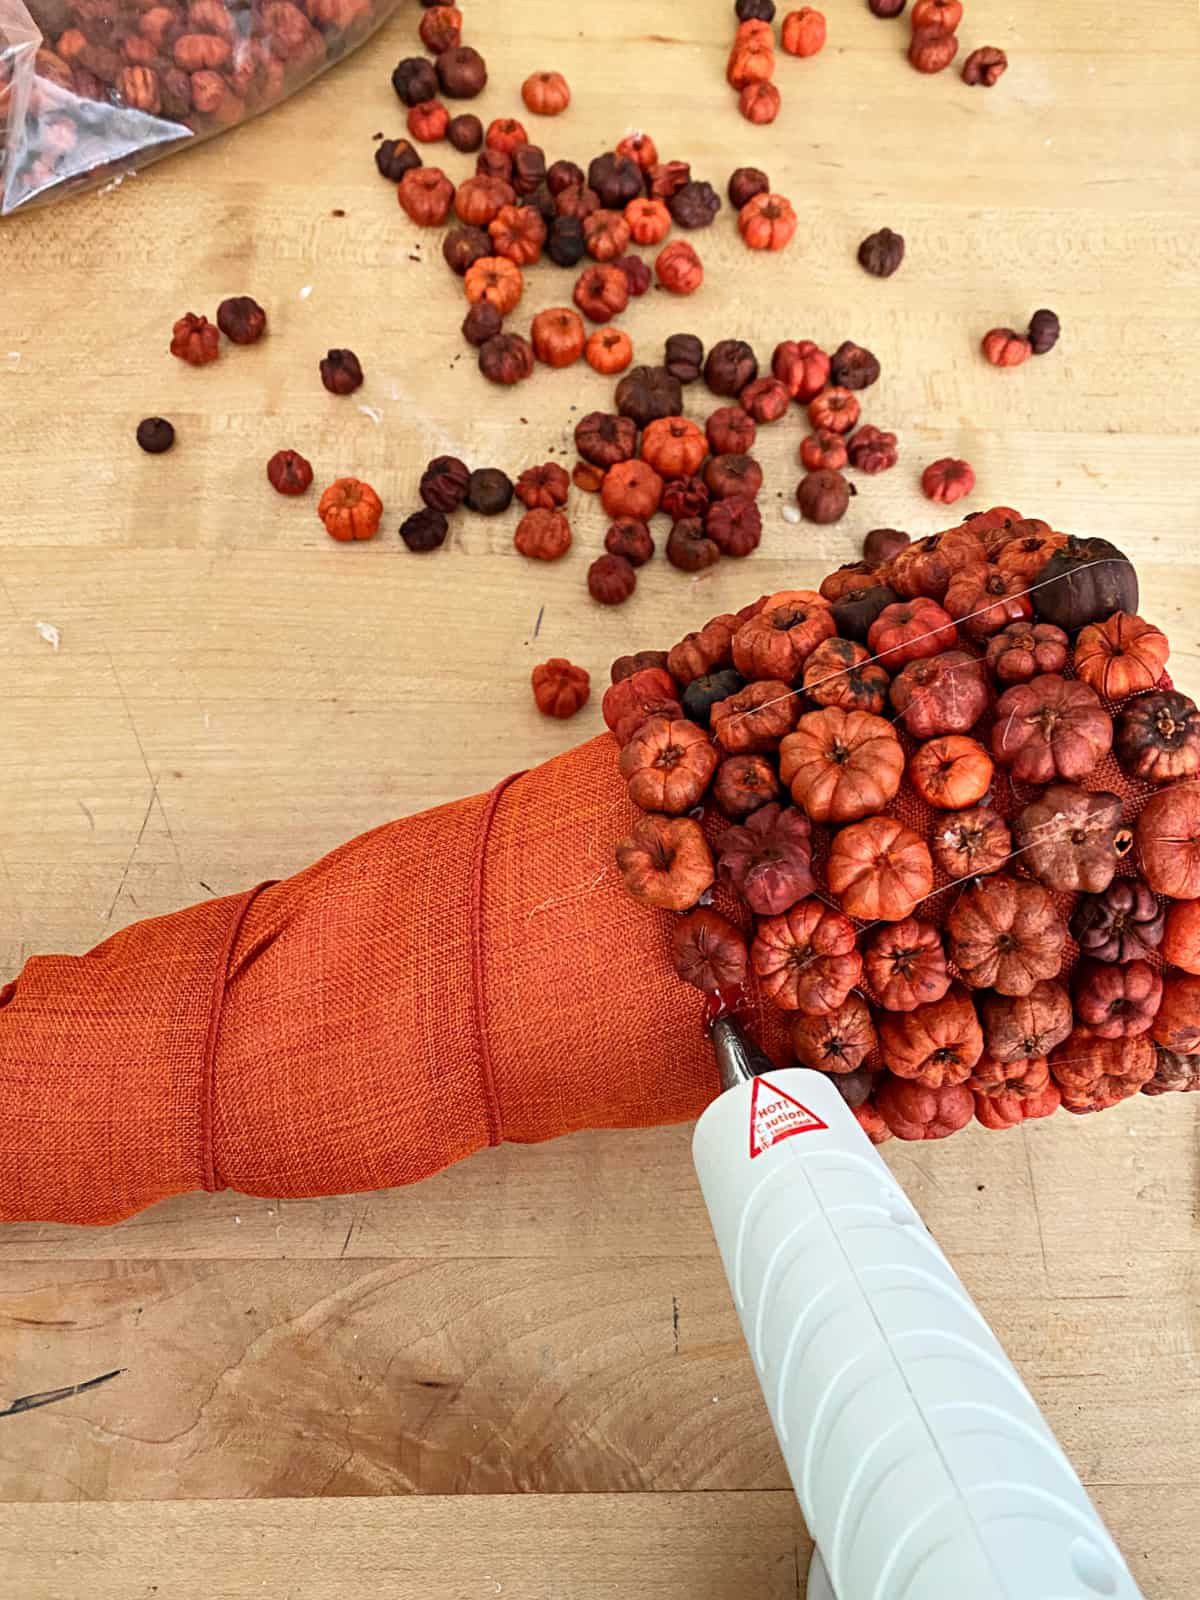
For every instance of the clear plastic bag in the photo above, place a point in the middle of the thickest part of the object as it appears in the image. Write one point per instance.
(93, 88)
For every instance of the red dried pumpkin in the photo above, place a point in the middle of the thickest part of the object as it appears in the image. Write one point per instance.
(1049, 728)
(838, 1042)
(912, 1111)
(1071, 839)
(841, 673)
(1018, 1026)
(951, 773)
(909, 630)
(767, 860)
(1181, 936)
(1026, 650)
(1007, 1094)
(879, 870)
(971, 843)
(1177, 1023)
(947, 693)
(1116, 1001)
(806, 960)
(982, 599)
(1167, 835)
(633, 693)
(926, 566)
(706, 650)
(755, 718)
(1096, 1073)
(934, 1044)
(1005, 935)
(665, 862)
(905, 965)
(708, 952)
(841, 765)
(1121, 656)
(777, 642)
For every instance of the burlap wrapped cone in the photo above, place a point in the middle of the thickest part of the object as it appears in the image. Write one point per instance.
(471, 974)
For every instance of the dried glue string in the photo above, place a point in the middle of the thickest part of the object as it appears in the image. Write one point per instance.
(930, 633)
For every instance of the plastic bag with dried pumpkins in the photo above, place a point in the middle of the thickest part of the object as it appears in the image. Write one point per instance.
(91, 89)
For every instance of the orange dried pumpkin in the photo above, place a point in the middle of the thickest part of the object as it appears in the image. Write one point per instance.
(841, 765)
(767, 222)
(837, 1042)
(1006, 935)
(557, 336)
(1094, 1074)
(546, 94)
(909, 630)
(1167, 836)
(666, 862)
(755, 718)
(518, 234)
(674, 447)
(495, 280)
(608, 350)
(1177, 1024)
(777, 642)
(905, 965)
(951, 773)
(350, 510)
(649, 221)
(983, 600)
(667, 765)
(631, 489)
(806, 959)
(936, 1044)
(606, 235)
(479, 200)
(841, 673)
(1028, 554)
(879, 870)
(1181, 936)
(1121, 656)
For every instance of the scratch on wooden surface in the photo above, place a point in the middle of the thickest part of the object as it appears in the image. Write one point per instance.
(1037, 1210)
(50, 1397)
(136, 846)
(91, 819)
(675, 1321)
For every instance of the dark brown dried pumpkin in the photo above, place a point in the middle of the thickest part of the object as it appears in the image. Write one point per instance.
(1125, 922)
(1158, 737)
(1019, 1026)
(1069, 839)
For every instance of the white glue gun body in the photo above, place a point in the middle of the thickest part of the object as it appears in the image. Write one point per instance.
(923, 1467)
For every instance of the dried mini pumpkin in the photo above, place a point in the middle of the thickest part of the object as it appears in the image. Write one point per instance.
(841, 765)
(604, 438)
(909, 630)
(666, 862)
(838, 1042)
(1177, 1023)
(905, 965)
(1008, 1094)
(806, 959)
(1121, 656)
(1122, 923)
(557, 336)
(879, 870)
(1180, 941)
(674, 447)
(855, 612)
(560, 689)
(841, 673)
(767, 860)
(1005, 935)
(951, 773)
(1027, 650)
(1070, 839)
(926, 566)
(1094, 1074)
(1029, 553)
(1016, 1027)
(1173, 1073)
(935, 1044)
(947, 693)
(802, 367)
(703, 651)
(1050, 728)
(971, 843)
(601, 293)
(1085, 581)
(1117, 1000)
(913, 1111)
(743, 783)
(638, 689)
(495, 280)
(777, 642)
(479, 200)
(518, 234)
(756, 718)
(1157, 737)
(543, 535)
(708, 952)
(1167, 835)
(667, 765)
(631, 489)
(350, 510)
(767, 222)
(983, 600)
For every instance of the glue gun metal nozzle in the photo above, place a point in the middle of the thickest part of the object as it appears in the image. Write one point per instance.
(738, 1058)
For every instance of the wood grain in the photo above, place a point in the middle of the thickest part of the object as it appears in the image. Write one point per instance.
(233, 695)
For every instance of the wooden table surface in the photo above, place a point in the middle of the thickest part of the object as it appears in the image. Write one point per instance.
(542, 1334)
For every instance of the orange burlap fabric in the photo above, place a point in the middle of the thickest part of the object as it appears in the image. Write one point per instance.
(472, 974)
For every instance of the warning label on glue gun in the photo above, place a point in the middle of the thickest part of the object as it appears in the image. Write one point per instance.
(775, 1116)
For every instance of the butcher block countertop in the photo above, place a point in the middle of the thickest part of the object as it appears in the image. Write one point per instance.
(525, 1377)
